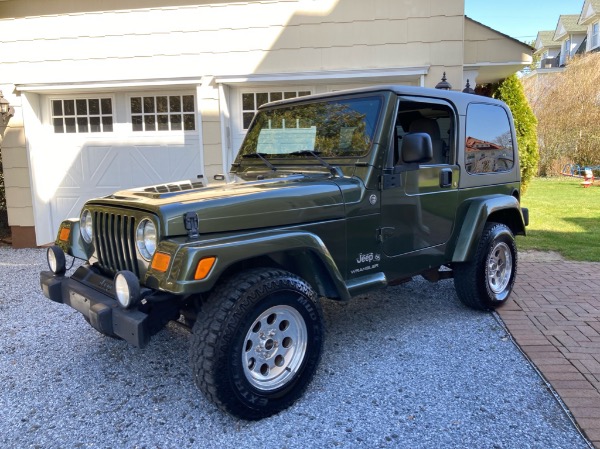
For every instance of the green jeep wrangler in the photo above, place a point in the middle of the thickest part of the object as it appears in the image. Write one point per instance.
(330, 196)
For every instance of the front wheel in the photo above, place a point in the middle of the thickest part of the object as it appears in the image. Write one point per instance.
(257, 343)
(487, 280)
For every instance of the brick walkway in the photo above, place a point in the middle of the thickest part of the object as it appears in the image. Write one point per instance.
(554, 316)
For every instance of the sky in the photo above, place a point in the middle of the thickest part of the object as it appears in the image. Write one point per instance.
(521, 19)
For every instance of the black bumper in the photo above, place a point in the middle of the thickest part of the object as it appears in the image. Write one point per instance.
(101, 309)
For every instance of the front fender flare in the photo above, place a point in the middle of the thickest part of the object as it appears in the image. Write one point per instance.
(230, 250)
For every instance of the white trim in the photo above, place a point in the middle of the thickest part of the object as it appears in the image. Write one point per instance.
(494, 64)
(110, 85)
(200, 133)
(42, 216)
(597, 36)
(587, 13)
(322, 76)
(226, 138)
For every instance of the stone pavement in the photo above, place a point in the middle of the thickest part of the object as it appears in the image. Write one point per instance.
(554, 316)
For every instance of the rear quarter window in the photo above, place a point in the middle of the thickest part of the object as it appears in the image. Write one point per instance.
(489, 146)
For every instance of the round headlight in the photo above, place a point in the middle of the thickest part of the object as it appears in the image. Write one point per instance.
(127, 288)
(146, 238)
(56, 260)
(85, 226)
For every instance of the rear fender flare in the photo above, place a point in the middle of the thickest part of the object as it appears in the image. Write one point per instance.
(499, 208)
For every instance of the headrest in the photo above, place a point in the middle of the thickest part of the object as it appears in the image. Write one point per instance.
(425, 125)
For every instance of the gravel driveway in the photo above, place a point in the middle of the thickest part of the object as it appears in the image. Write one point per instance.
(405, 367)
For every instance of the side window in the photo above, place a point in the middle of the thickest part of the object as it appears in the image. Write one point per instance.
(489, 146)
(437, 120)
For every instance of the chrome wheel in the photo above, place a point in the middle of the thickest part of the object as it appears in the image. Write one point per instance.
(274, 348)
(499, 267)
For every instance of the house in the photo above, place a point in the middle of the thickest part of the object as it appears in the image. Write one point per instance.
(571, 36)
(547, 50)
(574, 34)
(590, 18)
(115, 94)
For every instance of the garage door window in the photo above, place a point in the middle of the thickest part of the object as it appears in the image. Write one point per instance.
(163, 113)
(251, 101)
(82, 115)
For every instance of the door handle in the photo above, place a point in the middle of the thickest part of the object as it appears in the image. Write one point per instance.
(446, 177)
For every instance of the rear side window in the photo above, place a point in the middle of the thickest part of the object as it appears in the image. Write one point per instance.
(489, 146)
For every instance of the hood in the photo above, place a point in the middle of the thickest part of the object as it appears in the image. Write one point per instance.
(239, 205)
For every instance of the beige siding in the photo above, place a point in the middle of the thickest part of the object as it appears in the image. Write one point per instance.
(484, 45)
(17, 182)
(225, 39)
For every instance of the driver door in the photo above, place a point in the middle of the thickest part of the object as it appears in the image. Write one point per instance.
(418, 209)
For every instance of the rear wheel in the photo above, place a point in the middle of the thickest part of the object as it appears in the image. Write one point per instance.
(487, 280)
(257, 343)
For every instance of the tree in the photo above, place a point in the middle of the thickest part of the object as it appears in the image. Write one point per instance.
(511, 92)
(567, 106)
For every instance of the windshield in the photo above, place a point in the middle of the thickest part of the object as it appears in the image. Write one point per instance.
(339, 128)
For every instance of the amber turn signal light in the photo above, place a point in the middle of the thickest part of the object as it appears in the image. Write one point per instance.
(160, 262)
(64, 234)
(204, 267)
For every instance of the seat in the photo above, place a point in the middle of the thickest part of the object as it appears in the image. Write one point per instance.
(430, 126)
(588, 178)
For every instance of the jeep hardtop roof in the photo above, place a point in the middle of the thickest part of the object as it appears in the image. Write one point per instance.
(459, 99)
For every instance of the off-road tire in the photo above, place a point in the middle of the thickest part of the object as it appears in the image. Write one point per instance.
(485, 282)
(241, 335)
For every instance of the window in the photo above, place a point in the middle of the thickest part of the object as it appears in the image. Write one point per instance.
(163, 113)
(489, 146)
(251, 101)
(595, 27)
(567, 51)
(337, 128)
(436, 120)
(82, 115)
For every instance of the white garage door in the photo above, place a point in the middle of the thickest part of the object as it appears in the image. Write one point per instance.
(97, 145)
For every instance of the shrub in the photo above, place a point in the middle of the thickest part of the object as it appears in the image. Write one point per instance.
(511, 92)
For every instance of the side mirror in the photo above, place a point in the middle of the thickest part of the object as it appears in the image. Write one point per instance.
(416, 148)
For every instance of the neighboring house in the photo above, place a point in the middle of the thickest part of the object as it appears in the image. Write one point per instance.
(162, 90)
(590, 18)
(571, 36)
(547, 50)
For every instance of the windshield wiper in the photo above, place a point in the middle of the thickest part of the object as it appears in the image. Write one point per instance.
(332, 169)
(262, 157)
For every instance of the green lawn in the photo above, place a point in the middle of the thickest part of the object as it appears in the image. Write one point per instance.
(563, 217)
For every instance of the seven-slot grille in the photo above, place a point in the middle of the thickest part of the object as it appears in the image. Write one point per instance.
(114, 236)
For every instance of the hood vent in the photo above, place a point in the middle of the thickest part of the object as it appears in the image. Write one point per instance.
(174, 187)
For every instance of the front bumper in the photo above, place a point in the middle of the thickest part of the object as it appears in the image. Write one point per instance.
(91, 295)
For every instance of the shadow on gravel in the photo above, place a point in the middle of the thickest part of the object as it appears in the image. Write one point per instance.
(406, 367)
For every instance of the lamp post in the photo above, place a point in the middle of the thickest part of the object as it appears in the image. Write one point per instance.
(444, 84)
(6, 110)
(468, 89)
